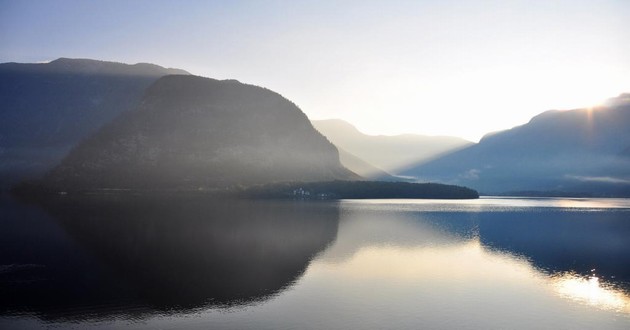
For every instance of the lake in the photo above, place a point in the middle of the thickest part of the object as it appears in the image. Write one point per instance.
(202, 263)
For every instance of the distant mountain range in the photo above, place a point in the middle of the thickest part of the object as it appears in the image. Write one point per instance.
(102, 125)
(190, 132)
(557, 152)
(363, 168)
(47, 108)
(386, 153)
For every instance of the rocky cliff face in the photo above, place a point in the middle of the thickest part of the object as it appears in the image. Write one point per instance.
(192, 133)
(48, 108)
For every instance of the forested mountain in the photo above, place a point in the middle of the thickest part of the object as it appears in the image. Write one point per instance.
(388, 153)
(191, 132)
(579, 151)
(48, 108)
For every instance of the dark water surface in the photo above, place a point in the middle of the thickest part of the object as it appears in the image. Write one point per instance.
(197, 262)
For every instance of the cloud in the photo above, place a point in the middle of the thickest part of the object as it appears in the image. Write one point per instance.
(601, 179)
(472, 174)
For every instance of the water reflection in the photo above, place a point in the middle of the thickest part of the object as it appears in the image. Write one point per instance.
(461, 285)
(590, 290)
(584, 242)
(490, 264)
(166, 255)
(579, 253)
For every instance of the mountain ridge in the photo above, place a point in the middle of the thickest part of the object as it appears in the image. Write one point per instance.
(387, 152)
(47, 108)
(557, 150)
(192, 132)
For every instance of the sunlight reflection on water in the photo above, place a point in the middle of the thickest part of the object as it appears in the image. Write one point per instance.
(491, 263)
(457, 283)
(590, 290)
(492, 203)
(544, 226)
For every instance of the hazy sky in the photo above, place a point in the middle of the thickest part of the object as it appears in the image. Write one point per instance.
(443, 67)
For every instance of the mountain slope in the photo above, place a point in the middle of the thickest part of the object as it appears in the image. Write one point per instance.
(581, 150)
(48, 108)
(191, 132)
(390, 153)
(363, 168)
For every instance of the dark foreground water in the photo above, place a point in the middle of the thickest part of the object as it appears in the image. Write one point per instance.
(195, 262)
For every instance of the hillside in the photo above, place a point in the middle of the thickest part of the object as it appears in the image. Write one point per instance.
(198, 133)
(389, 153)
(582, 150)
(363, 168)
(48, 108)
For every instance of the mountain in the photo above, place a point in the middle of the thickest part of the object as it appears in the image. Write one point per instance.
(48, 108)
(191, 132)
(388, 153)
(573, 151)
(363, 168)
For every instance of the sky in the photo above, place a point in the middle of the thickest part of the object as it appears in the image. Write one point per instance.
(460, 68)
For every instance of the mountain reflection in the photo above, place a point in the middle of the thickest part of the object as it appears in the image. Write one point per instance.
(530, 254)
(587, 243)
(148, 255)
(583, 242)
